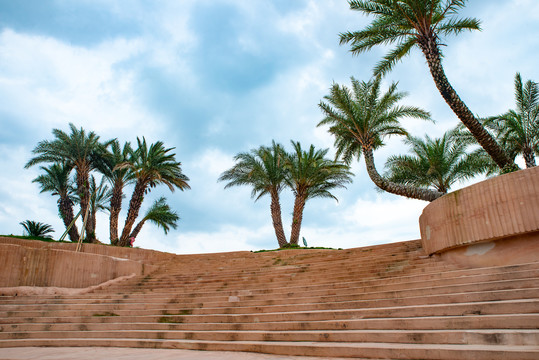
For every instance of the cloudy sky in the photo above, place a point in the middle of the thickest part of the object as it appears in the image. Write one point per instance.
(213, 78)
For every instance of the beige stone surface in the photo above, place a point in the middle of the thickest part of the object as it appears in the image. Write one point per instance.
(52, 290)
(82, 353)
(514, 250)
(50, 267)
(497, 208)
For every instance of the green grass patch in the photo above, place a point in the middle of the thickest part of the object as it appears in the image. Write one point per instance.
(106, 313)
(24, 237)
(181, 312)
(169, 320)
(297, 247)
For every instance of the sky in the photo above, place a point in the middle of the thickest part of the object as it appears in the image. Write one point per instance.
(213, 78)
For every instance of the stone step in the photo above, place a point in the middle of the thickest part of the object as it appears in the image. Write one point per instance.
(509, 321)
(247, 297)
(353, 289)
(328, 280)
(320, 349)
(525, 306)
(405, 282)
(232, 307)
(462, 337)
(282, 264)
(179, 272)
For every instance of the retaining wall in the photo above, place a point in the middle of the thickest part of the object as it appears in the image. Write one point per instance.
(504, 207)
(115, 251)
(52, 264)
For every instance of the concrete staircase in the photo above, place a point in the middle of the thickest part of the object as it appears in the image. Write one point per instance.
(380, 302)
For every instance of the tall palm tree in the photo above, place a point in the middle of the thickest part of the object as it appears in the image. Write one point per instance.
(262, 169)
(151, 165)
(518, 129)
(118, 176)
(57, 181)
(78, 150)
(421, 23)
(311, 175)
(361, 118)
(37, 229)
(435, 163)
(161, 215)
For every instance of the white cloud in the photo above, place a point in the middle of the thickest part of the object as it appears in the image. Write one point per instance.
(226, 238)
(366, 222)
(52, 83)
(20, 197)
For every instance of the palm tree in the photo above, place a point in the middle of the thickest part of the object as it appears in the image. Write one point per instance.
(57, 181)
(421, 23)
(264, 170)
(361, 118)
(161, 215)
(37, 229)
(311, 175)
(99, 198)
(151, 166)
(435, 163)
(119, 176)
(518, 130)
(78, 150)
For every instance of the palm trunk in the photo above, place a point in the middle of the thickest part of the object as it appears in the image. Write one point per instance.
(93, 219)
(132, 214)
(297, 217)
(115, 208)
(65, 206)
(393, 188)
(276, 218)
(529, 157)
(431, 51)
(136, 230)
(83, 187)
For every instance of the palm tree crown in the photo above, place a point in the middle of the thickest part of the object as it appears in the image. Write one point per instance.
(161, 215)
(56, 180)
(260, 168)
(406, 24)
(361, 118)
(436, 163)
(311, 174)
(410, 23)
(518, 129)
(37, 229)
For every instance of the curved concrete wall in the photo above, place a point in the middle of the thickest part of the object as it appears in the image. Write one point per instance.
(43, 264)
(502, 207)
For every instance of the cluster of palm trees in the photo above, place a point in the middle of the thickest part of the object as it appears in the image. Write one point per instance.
(270, 169)
(361, 117)
(83, 154)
